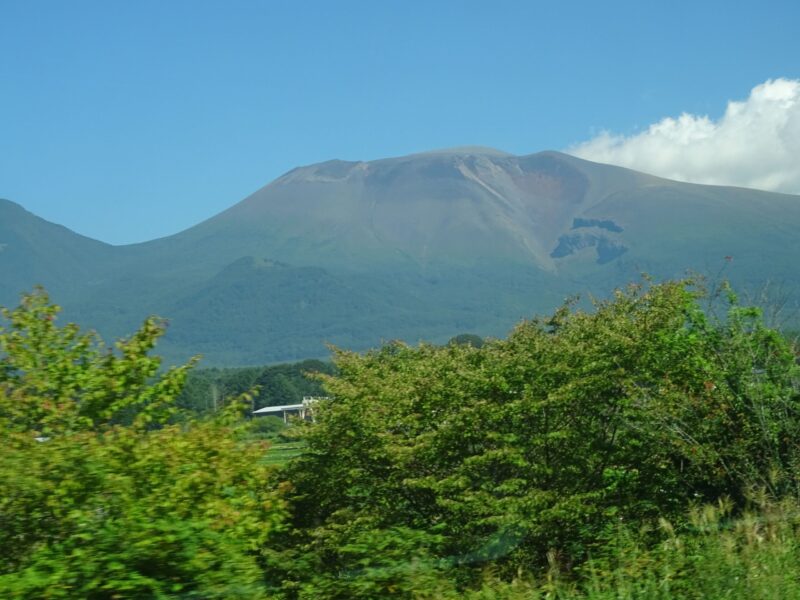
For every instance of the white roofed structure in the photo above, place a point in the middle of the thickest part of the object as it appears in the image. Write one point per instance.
(305, 410)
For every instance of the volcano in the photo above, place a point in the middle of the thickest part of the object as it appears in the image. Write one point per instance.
(424, 246)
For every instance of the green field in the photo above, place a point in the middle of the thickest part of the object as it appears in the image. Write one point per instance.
(280, 453)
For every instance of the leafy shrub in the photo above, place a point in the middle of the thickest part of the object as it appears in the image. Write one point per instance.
(541, 445)
(102, 497)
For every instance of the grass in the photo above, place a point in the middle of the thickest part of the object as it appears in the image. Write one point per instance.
(280, 453)
(755, 556)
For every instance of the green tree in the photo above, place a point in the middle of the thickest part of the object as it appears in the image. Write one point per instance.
(467, 339)
(542, 444)
(102, 495)
(58, 380)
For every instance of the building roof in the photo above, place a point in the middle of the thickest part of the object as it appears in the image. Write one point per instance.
(269, 409)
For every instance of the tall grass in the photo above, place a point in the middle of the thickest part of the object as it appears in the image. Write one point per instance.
(755, 556)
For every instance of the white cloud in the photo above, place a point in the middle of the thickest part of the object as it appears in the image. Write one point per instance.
(755, 144)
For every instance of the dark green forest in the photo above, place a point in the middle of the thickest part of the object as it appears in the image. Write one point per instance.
(206, 390)
(647, 447)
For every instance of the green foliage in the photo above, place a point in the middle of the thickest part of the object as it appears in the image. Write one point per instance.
(366, 562)
(531, 451)
(268, 427)
(467, 339)
(576, 459)
(59, 380)
(753, 556)
(102, 497)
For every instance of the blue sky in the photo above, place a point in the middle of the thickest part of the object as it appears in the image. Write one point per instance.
(127, 121)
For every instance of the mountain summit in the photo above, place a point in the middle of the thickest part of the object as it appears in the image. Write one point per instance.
(422, 246)
(467, 207)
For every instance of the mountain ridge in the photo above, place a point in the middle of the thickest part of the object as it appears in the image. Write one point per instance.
(426, 245)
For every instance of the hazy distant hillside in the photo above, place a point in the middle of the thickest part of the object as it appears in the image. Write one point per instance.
(33, 250)
(421, 246)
